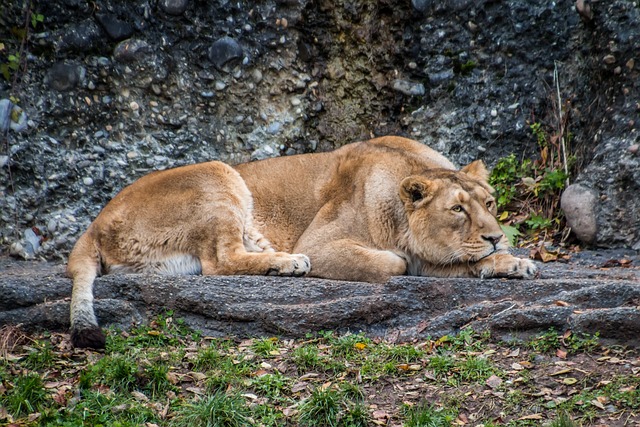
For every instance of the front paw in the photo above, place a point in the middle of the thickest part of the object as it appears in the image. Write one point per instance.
(505, 265)
(290, 265)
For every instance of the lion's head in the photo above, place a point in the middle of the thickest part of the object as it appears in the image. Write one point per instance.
(451, 216)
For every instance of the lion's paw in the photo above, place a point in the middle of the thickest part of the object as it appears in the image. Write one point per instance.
(289, 265)
(504, 265)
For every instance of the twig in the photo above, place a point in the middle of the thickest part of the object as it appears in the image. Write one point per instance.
(563, 146)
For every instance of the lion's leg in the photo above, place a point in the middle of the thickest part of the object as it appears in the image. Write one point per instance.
(504, 265)
(347, 259)
(228, 255)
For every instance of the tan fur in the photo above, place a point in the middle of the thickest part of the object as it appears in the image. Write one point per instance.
(364, 212)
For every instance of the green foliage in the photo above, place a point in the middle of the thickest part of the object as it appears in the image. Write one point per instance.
(511, 232)
(307, 357)
(266, 347)
(9, 67)
(475, 369)
(36, 18)
(28, 395)
(157, 381)
(426, 415)
(547, 342)
(40, 356)
(272, 386)
(507, 172)
(217, 410)
(538, 222)
(563, 420)
(321, 409)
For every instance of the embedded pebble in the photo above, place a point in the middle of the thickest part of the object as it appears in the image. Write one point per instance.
(174, 7)
(64, 77)
(224, 50)
(87, 181)
(409, 88)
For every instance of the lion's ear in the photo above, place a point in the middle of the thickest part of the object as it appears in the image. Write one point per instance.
(476, 170)
(417, 189)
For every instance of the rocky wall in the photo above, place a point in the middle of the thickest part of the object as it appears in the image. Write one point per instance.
(107, 91)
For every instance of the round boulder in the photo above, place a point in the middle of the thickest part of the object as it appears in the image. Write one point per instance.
(579, 205)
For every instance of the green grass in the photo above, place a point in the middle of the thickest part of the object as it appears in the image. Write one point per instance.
(216, 410)
(174, 377)
(321, 409)
(426, 415)
(27, 395)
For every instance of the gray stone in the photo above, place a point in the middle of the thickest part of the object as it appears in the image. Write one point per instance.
(130, 50)
(115, 28)
(224, 50)
(36, 295)
(409, 88)
(579, 205)
(64, 77)
(5, 115)
(421, 5)
(83, 36)
(174, 7)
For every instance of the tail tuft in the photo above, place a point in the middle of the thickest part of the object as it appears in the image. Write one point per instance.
(91, 337)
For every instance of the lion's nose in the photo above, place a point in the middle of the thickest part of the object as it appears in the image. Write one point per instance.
(493, 238)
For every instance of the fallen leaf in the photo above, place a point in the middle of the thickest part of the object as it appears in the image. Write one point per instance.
(597, 404)
(569, 381)
(140, 397)
(561, 372)
(360, 346)
(531, 417)
(514, 353)
(562, 303)
(494, 381)
(562, 354)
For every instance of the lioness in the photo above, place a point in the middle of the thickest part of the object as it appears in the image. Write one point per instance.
(364, 212)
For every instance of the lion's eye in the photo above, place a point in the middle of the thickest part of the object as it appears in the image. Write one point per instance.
(489, 204)
(457, 208)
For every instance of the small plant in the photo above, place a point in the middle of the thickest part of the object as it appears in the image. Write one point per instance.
(563, 420)
(307, 357)
(11, 66)
(547, 342)
(36, 18)
(217, 410)
(266, 347)
(441, 365)
(157, 381)
(207, 359)
(321, 408)
(425, 415)
(270, 385)
(356, 415)
(118, 372)
(28, 395)
(475, 369)
(40, 357)
(349, 345)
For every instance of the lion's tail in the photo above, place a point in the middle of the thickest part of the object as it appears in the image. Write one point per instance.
(83, 267)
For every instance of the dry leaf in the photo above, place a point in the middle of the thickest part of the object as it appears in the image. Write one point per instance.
(494, 381)
(140, 397)
(569, 381)
(560, 372)
(531, 417)
(597, 404)
(562, 354)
